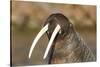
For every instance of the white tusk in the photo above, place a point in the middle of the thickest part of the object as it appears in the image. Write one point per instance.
(43, 30)
(51, 40)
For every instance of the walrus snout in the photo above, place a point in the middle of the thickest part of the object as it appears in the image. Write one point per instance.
(63, 22)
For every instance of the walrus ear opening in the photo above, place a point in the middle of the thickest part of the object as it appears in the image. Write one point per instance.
(71, 28)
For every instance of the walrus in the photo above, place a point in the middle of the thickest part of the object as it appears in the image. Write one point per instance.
(65, 44)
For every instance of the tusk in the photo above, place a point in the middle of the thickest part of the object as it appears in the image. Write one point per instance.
(51, 40)
(43, 30)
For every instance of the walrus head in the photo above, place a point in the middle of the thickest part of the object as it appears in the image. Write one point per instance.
(57, 26)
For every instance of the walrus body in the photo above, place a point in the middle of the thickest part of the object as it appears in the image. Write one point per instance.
(68, 46)
(65, 45)
(71, 49)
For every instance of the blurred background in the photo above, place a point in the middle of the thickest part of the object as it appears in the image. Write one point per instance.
(27, 19)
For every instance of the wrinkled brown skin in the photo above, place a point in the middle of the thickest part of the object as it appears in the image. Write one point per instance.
(68, 47)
